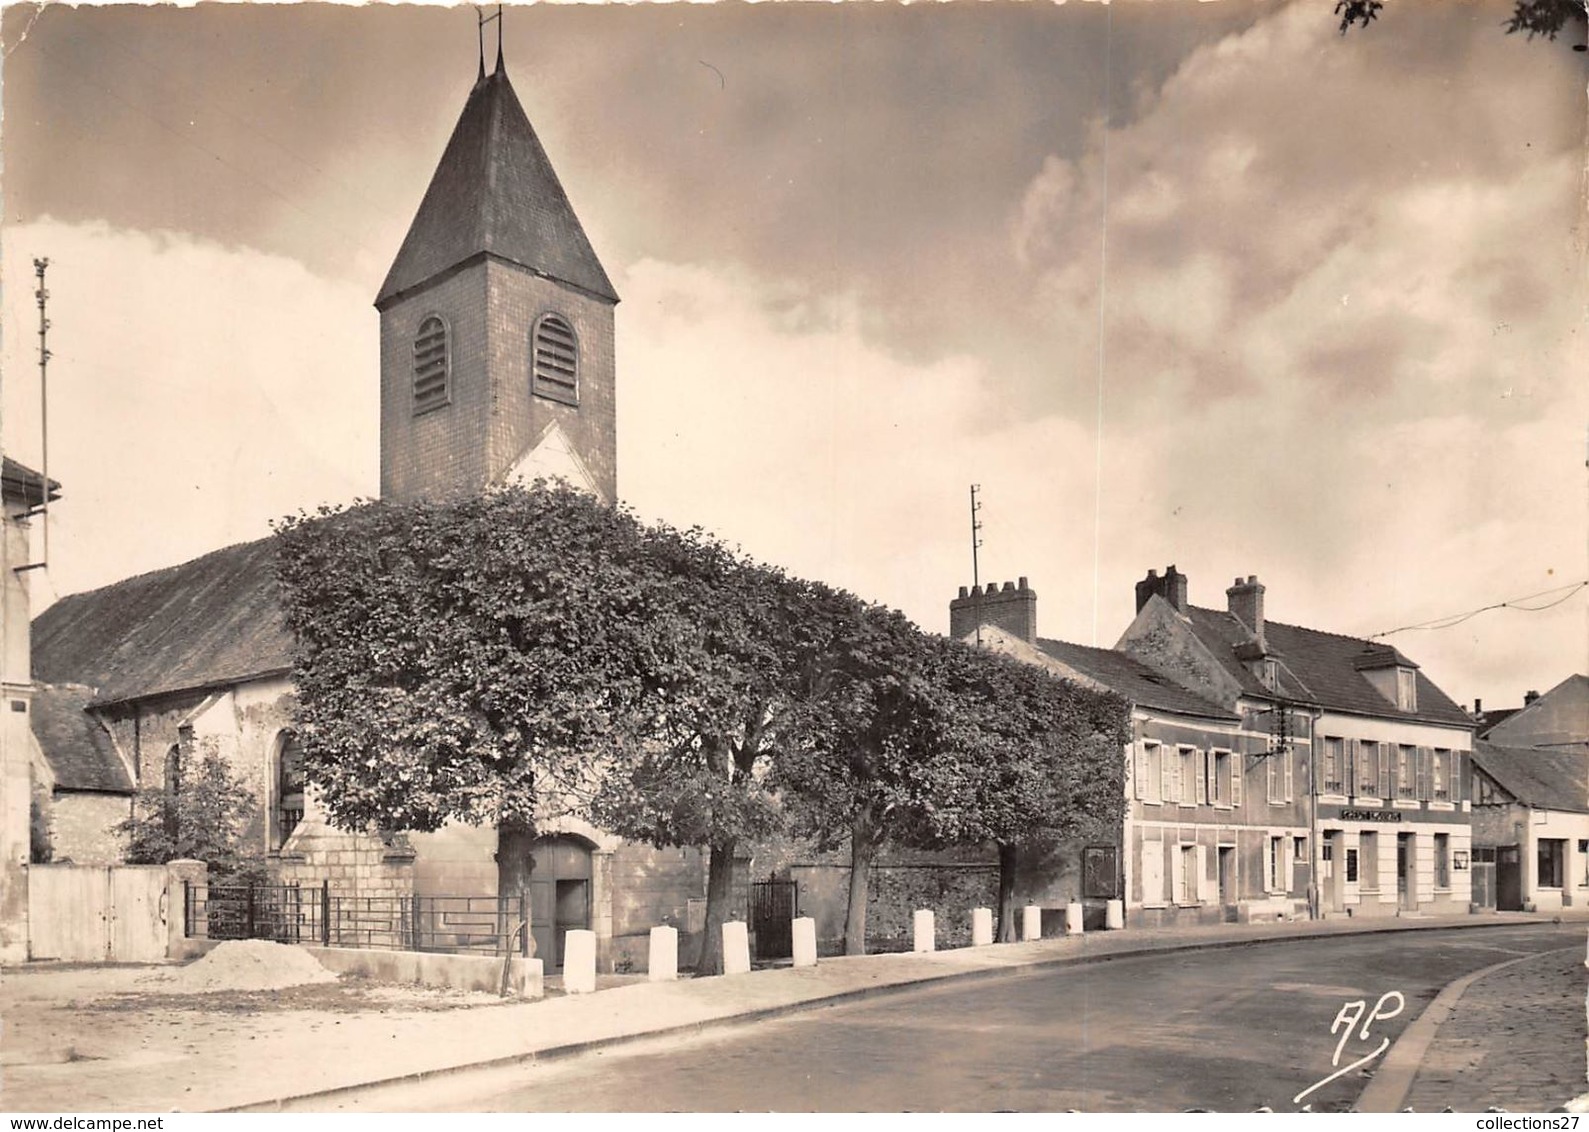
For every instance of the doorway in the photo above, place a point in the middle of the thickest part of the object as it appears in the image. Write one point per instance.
(1329, 875)
(1406, 872)
(1227, 881)
(1509, 878)
(560, 897)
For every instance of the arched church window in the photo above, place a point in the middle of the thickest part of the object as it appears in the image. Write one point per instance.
(289, 788)
(432, 365)
(556, 360)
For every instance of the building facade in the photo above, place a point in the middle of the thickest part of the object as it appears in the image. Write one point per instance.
(1382, 752)
(1215, 827)
(497, 366)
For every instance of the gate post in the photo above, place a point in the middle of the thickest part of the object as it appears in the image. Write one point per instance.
(325, 913)
(193, 923)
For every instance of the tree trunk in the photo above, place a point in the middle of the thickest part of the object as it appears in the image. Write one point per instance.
(863, 850)
(719, 896)
(514, 864)
(1007, 857)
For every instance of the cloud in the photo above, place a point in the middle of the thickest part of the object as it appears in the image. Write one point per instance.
(196, 393)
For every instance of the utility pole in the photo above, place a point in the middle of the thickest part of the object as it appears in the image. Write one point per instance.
(42, 294)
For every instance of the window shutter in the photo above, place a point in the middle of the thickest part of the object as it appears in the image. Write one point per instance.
(1425, 774)
(1200, 759)
(1177, 873)
(1238, 767)
(1140, 769)
(1202, 873)
(1166, 776)
(1387, 774)
(1287, 756)
(1457, 772)
(1153, 872)
(1348, 768)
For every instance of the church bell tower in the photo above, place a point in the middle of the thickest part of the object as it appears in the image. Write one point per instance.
(496, 322)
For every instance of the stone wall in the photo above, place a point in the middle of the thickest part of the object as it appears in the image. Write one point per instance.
(82, 827)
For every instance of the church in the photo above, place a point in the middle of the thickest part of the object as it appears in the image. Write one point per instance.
(496, 366)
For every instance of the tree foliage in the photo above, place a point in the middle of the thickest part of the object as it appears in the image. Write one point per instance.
(202, 819)
(1546, 18)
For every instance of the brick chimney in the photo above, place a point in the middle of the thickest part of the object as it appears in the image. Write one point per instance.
(1012, 607)
(1245, 602)
(1530, 696)
(1171, 587)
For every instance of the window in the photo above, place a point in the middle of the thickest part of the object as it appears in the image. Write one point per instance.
(555, 366)
(1351, 866)
(432, 366)
(1368, 769)
(1406, 769)
(1219, 779)
(1150, 774)
(1442, 860)
(289, 788)
(1441, 775)
(1406, 689)
(1299, 850)
(1334, 766)
(1280, 777)
(1368, 851)
(1193, 787)
(1276, 864)
(1583, 859)
(1552, 850)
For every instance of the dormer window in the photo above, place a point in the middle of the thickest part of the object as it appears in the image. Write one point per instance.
(432, 366)
(555, 360)
(1406, 689)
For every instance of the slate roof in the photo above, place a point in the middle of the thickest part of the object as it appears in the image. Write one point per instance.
(1132, 679)
(1317, 668)
(18, 481)
(1542, 777)
(495, 192)
(80, 751)
(1560, 716)
(212, 621)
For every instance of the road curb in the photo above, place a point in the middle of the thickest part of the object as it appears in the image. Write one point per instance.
(855, 994)
(1390, 1086)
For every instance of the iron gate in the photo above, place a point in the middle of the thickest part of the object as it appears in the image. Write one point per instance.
(773, 906)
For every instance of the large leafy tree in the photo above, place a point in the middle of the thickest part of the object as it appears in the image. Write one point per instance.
(467, 660)
(1547, 18)
(871, 762)
(725, 701)
(1041, 760)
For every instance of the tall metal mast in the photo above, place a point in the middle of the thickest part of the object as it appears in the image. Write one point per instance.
(976, 579)
(42, 294)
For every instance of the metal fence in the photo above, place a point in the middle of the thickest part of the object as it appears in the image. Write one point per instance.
(482, 925)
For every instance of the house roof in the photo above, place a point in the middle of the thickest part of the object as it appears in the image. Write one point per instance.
(1132, 679)
(1560, 716)
(212, 621)
(78, 749)
(22, 483)
(1318, 668)
(495, 193)
(1542, 777)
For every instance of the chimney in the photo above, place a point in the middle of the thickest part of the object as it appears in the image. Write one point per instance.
(1012, 607)
(1171, 587)
(1478, 706)
(1529, 697)
(1245, 602)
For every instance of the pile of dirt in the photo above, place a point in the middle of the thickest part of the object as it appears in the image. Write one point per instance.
(246, 964)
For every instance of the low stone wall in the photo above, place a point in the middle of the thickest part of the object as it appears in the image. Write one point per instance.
(460, 972)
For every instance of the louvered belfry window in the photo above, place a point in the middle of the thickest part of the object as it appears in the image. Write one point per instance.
(556, 360)
(431, 365)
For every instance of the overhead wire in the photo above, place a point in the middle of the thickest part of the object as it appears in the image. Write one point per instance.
(1452, 620)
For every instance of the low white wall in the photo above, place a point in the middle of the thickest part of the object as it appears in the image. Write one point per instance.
(460, 972)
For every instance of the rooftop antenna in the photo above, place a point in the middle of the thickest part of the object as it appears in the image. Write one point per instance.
(483, 21)
(42, 294)
(976, 579)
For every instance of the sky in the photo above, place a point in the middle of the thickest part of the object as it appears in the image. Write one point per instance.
(1195, 283)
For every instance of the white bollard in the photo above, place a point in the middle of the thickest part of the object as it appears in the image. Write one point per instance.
(1031, 923)
(981, 927)
(1073, 918)
(736, 948)
(1115, 915)
(579, 962)
(926, 936)
(664, 963)
(804, 931)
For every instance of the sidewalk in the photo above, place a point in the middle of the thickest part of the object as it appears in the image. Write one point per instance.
(262, 1061)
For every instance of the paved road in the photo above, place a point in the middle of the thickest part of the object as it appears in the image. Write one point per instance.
(1229, 1030)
